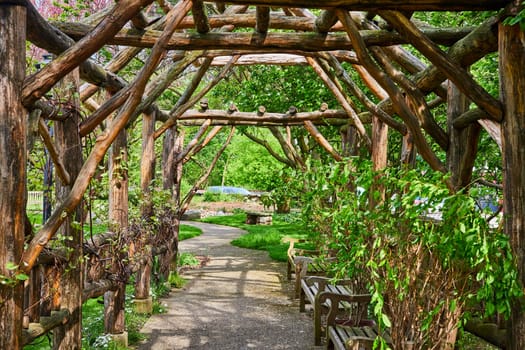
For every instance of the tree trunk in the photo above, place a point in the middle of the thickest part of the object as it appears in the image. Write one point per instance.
(463, 145)
(69, 145)
(118, 218)
(512, 78)
(147, 173)
(12, 170)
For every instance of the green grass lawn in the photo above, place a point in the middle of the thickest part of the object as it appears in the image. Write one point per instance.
(271, 238)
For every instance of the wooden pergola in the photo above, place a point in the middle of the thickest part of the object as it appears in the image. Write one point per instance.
(369, 35)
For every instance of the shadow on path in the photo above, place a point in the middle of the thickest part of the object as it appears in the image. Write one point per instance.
(240, 300)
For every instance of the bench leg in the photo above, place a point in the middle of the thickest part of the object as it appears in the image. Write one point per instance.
(289, 271)
(302, 301)
(317, 325)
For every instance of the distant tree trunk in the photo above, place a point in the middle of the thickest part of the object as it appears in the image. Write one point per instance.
(512, 78)
(69, 145)
(147, 173)
(12, 169)
(349, 140)
(118, 218)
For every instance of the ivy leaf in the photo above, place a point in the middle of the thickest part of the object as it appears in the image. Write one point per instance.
(386, 320)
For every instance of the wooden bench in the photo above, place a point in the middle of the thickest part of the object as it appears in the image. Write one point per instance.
(356, 332)
(301, 263)
(352, 338)
(258, 218)
(313, 289)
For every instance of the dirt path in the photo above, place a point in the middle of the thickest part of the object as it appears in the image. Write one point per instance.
(240, 300)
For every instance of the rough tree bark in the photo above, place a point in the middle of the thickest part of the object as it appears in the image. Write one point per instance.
(118, 219)
(512, 78)
(463, 144)
(147, 173)
(12, 169)
(69, 144)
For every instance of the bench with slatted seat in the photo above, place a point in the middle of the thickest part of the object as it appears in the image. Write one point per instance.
(354, 333)
(351, 338)
(314, 286)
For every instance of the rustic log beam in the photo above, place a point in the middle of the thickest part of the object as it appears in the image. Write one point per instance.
(199, 16)
(264, 117)
(102, 144)
(263, 19)
(269, 148)
(343, 75)
(284, 41)
(177, 110)
(266, 124)
(269, 59)
(288, 148)
(341, 98)
(119, 61)
(46, 324)
(53, 152)
(262, 56)
(470, 116)
(249, 20)
(90, 123)
(415, 98)
(321, 140)
(453, 71)
(47, 37)
(326, 20)
(185, 203)
(39, 83)
(399, 102)
(98, 288)
(360, 5)
(209, 137)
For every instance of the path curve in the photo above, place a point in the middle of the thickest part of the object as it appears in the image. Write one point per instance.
(240, 300)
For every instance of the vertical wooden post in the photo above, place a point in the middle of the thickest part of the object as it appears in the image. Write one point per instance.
(12, 169)
(463, 144)
(512, 80)
(379, 155)
(169, 259)
(143, 302)
(69, 145)
(114, 301)
(168, 168)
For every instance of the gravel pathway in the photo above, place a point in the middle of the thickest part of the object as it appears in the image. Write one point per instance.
(239, 300)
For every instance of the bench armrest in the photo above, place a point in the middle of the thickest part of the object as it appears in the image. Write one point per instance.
(362, 301)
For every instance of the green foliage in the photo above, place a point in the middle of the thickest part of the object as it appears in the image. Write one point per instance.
(176, 280)
(405, 258)
(519, 18)
(276, 88)
(187, 259)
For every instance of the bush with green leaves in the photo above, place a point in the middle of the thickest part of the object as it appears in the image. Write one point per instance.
(426, 273)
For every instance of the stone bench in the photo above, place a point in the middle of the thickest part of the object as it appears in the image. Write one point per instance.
(258, 218)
